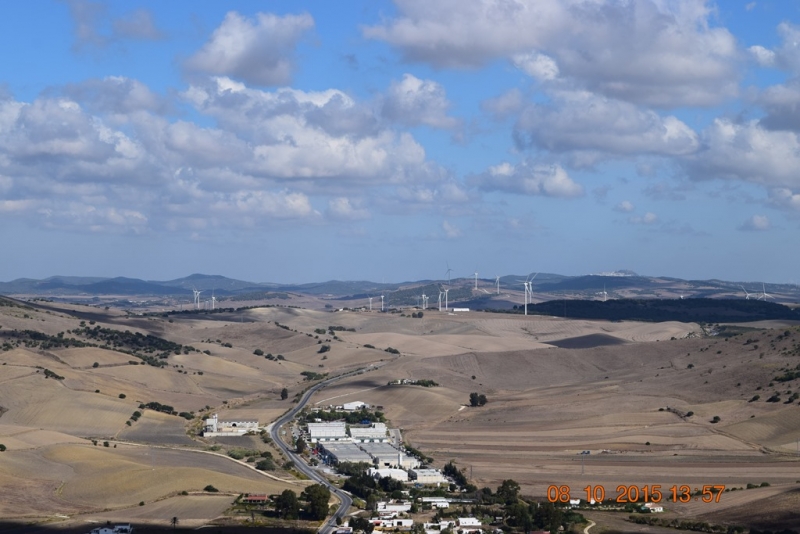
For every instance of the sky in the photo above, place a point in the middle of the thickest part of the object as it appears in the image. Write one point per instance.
(292, 141)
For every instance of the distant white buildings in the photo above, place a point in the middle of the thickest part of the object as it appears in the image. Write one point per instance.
(653, 508)
(436, 502)
(426, 476)
(215, 427)
(397, 506)
(118, 529)
(353, 406)
(460, 309)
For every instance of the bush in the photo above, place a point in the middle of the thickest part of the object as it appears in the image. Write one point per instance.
(755, 398)
(211, 489)
(122, 395)
(258, 352)
(95, 365)
(2, 448)
(716, 419)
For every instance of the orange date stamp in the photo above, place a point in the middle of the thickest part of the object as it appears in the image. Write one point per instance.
(631, 494)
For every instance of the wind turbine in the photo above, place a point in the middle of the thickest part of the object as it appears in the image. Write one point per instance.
(746, 294)
(476, 280)
(445, 298)
(370, 303)
(497, 283)
(213, 300)
(605, 295)
(447, 272)
(196, 298)
(529, 291)
(440, 299)
(764, 294)
(381, 302)
(424, 301)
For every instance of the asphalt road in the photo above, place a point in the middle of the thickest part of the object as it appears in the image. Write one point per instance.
(346, 500)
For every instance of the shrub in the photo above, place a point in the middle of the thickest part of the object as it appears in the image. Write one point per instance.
(2, 448)
(122, 395)
(716, 419)
(258, 352)
(211, 489)
(755, 398)
(95, 365)
(105, 444)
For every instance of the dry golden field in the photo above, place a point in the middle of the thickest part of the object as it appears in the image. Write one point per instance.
(555, 387)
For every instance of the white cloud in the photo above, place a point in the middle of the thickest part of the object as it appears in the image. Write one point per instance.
(626, 206)
(90, 19)
(747, 152)
(756, 223)
(413, 101)
(785, 198)
(537, 65)
(528, 179)
(451, 231)
(115, 95)
(654, 52)
(646, 219)
(503, 106)
(342, 208)
(579, 120)
(259, 51)
(138, 25)
(762, 56)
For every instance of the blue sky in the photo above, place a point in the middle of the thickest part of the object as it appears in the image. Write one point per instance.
(307, 141)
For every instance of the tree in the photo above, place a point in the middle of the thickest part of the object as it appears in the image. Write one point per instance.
(477, 399)
(317, 497)
(481, 399)
(2, 447)
(258, 352)
(286, 505)
(508, 491)
(174, 521)
(284, 394)
(360, 523)
(300, 445)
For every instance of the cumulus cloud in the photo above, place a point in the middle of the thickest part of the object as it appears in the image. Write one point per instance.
(412, 101)
(646, 219)
(501, 107)
(90, 17)
(343, 209)
(115, 95)
(650, 52)
(626, 206)
(258, 51)
(100, 156)
(762, 56)
(756, 223)
(536, 65)
(785, 198)
(528, 179)
(748, 152)
(580, 120)
(451, 231)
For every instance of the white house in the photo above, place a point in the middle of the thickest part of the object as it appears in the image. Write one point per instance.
(353, 406)
(468, 522)
(392, 523)
(398, 506)
(653, 508)
(436, 502)
(574, 503)
(215, 427)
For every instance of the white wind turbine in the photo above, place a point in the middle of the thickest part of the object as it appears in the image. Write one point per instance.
(370, 303)
(529, 291)
(440, 299)
(764, 295)
(213, 300)
(746, 294)
(196, 298)
(605, 295)
(445, 298)
(476, 280)
(497, 283)
(425, 301)
(381, 302)
(447, 272)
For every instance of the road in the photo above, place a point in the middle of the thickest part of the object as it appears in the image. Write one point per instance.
(345, 499)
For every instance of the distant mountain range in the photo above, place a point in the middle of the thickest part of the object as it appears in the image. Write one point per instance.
(619, 284)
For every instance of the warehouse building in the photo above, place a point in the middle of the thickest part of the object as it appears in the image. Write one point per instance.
(327, 431)
(426, 476)
(387, 456)
(353, 406)
(376, 432)
(396, 474)
(342, 451)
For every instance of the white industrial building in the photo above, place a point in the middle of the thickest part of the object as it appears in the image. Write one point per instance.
(392, 523)
(426, 476)
(327, 431)
(375, 432)
(215, 427)
(396, 474)
(387, 456)
(468, 522)
(353, 406)
(343, 451)
(436, 502)
(396, 506)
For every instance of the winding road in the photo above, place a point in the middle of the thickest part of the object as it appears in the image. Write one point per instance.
(346, 500)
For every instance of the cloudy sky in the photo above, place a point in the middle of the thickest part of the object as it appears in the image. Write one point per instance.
(307, 141)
